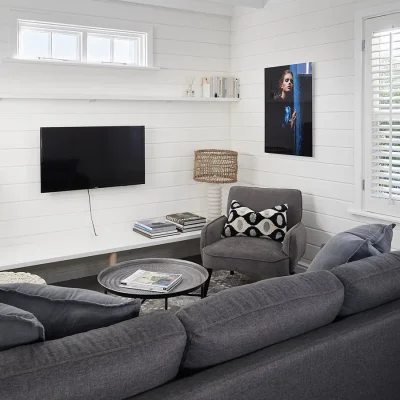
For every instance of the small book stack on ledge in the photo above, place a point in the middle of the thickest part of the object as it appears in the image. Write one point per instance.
(187, 221)
(173, 224)
(155, 228)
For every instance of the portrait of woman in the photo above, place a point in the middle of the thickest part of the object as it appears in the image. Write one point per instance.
(288, 119)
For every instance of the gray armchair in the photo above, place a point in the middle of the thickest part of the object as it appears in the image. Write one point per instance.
(256, 257)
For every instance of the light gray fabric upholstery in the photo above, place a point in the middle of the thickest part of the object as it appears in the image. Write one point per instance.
(259, 199)
(294, 244)
(18, 327)
(241, 320)
(66, 311)
(108, 363)
(356, 244)
(357, 358)
(370, 282)
(256, 257)
(211, 233)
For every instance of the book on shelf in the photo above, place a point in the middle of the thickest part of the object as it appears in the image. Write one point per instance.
(185, 219)
(153, 281)
(222, 87)
(190, 229)
(156, 235)
(154, 225)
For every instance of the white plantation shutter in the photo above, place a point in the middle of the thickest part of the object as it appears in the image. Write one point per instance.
(382, 122)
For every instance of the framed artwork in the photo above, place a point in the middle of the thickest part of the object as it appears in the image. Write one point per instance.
(289, 110)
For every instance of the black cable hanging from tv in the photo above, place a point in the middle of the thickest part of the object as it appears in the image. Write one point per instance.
(91, 214)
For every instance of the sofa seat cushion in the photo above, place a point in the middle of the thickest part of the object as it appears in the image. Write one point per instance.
(244, 319)
(18, 327)
(369, 283)
(66, 311)
(356, 244)
(247, 255)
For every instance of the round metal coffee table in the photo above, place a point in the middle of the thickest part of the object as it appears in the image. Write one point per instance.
(194, 276)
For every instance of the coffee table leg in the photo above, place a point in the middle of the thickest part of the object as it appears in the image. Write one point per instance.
(166, 303)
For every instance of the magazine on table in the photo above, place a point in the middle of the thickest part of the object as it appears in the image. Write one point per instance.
(152, 281)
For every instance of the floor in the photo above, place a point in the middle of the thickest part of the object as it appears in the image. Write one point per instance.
(220, 280)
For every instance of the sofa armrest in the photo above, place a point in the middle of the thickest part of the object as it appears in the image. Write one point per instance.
(211, 233)
(294, 244)
(108, 363)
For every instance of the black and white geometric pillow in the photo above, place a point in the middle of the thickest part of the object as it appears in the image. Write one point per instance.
(269, 224)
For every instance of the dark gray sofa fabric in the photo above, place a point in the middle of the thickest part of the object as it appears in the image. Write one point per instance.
(355, 244)
(66, 311)
(18, 327)
(245, 319)
(357, 358)
(370, 282)
(108, 363)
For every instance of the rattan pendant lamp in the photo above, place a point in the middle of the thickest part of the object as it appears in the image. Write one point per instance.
(215, 167)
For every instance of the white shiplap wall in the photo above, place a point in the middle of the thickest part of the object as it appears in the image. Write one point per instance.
(286, 32)
(185, 44)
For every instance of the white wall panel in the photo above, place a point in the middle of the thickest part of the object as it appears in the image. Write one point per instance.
(322, 32)
(186, 44)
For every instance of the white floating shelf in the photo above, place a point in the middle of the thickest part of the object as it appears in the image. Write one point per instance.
(62, 63)
(116, 97)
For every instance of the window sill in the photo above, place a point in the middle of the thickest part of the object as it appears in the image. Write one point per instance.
(77, 64)
(378, 217)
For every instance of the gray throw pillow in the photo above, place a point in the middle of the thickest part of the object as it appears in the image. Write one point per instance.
(356, 244)
(18, 327)
(66, 311)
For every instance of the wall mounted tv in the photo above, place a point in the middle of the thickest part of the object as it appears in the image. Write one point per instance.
(74, 158)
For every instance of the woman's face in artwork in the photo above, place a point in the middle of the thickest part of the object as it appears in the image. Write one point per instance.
(287, 84)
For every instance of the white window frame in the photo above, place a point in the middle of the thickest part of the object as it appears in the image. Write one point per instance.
(361, 149)
(143, 37)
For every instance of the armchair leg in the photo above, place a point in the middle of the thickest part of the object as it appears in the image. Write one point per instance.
(207, 282)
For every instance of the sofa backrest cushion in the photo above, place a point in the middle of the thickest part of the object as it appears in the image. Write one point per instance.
(356, 244)
(18, 327)
(369, 283)
(67, 311)
(110, 363)
(241, 320)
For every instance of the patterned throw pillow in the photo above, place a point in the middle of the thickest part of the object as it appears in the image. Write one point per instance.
(269, 224)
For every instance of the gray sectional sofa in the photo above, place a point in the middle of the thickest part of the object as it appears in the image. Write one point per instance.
(318, 335)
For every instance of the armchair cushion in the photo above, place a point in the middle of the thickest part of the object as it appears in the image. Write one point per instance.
(243, 221)
(254, 257)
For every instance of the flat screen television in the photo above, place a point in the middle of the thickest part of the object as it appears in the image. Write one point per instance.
(74, 158)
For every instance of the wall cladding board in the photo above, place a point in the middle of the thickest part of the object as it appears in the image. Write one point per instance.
(185, 44)
(319, 31)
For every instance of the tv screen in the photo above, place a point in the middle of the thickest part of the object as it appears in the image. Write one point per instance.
(77, 158)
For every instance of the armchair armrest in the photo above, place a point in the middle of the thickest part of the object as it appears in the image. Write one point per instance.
(294, 244)
(116, 362)
(211, 233)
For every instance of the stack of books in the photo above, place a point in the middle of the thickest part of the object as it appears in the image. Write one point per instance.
(153, 281)
(220, 86)
(154, 228)
(186, 221)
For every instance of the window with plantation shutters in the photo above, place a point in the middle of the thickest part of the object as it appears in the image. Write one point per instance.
(382, 115)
